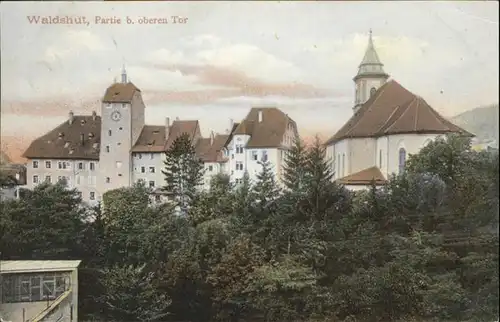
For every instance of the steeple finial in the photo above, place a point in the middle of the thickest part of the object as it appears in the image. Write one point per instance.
(124, 74)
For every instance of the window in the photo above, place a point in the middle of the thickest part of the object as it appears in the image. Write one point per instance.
(151, 184)
(35, 164)
(62, 165)
(107, 148)
(124, 105)
(151, 169)
(108, 179)
(232, 156)
(402, 160)
(372, 91)
(338, 165)
(118, 164)
(35, 179)
(157, 198)
(33, 287)
(152, 156)
(255, 155)
(210, 168)
(48, 179)
(239, 181)
(61, 179)
(92, 195)
(239, 165)
(380, 158)
(143, 169)
(109, 132)
(264, 156)
(80, 166)
(239, 149)
(343, 164)
(48, 164)
(92, 166)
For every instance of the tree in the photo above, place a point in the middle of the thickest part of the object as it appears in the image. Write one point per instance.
(183, 171)
(266, 189)
(131, 294)
(295, 166)
(47, 223)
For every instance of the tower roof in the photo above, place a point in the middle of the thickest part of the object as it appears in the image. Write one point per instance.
(371, 65)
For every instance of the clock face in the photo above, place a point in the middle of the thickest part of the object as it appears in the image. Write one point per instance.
(116, 116)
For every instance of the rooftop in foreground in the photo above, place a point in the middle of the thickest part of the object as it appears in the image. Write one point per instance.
(20, 266)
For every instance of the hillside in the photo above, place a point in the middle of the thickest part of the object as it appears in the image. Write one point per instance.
(481, 121)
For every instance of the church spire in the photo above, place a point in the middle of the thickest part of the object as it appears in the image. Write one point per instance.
(124, 75)
(371, 62)
(370, 77)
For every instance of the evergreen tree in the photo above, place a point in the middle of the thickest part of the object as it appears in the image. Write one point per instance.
(183, 172)
(266, 189)
(294, 167)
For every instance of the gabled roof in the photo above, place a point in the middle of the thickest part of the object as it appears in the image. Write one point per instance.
(178, 128)
(364, 177)
(394, 110)
(268, 133)
(120, 93)
(211, 150)
(151, 139)
(76, 139)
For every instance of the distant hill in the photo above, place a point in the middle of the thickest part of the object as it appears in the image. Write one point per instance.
(481, 121)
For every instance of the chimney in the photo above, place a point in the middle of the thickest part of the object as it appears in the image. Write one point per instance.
(260, 116)
(82, 138)
(212, 135)
(94, 115)
(71, 117)
(167, 127)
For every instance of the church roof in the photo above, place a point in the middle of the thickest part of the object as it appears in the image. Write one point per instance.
(394, 110)
(364, 177)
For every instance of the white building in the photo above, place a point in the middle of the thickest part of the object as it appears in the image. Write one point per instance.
(265, 134)
(96, 154)
(388, 124)
(39, 291)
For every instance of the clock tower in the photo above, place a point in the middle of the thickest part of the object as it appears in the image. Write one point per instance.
(122, 120)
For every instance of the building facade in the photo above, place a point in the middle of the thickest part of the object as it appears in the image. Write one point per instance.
(388, 124)
(115, 149)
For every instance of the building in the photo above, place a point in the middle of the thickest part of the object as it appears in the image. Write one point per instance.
(13, 177)
(39, 291)
(388, 123)
(265, 134)
(115, 149)
(69, 153)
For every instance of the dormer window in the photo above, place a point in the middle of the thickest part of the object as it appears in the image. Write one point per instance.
(66, 145)
(372, 91)
(91, 135)
(60, 135)
(82, 122)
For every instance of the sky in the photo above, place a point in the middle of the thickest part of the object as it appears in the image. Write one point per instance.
(230, 56)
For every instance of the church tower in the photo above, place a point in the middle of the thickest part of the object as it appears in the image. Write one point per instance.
(122, 120)
(370, 76)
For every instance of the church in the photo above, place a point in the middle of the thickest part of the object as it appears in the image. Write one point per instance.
(388, 124)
